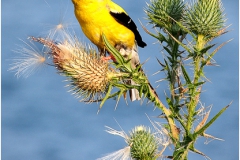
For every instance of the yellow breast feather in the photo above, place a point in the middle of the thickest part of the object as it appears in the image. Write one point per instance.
(95, 19)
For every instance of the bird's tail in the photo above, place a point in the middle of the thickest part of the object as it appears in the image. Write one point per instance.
(134, 94)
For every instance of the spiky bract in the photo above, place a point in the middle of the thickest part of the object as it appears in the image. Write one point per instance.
(87, 73)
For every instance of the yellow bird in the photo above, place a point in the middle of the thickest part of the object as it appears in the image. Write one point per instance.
(97, 17)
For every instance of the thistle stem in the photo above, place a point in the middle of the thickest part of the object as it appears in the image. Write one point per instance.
(154, 98)
(197, 74)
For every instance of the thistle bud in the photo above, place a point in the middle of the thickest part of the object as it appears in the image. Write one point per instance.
(163, 11)
(143, 143)
(205, 18)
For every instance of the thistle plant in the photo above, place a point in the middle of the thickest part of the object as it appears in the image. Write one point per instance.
(186, 33)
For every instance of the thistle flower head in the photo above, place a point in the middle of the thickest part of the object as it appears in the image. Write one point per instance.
(89, 75)
(87, 72)
(205, 17)
(142, 143)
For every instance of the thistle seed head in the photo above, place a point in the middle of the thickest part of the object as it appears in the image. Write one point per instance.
(86, 71)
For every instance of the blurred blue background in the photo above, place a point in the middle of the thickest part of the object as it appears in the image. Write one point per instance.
(42, 121)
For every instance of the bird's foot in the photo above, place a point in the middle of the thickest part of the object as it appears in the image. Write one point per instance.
(107, 58)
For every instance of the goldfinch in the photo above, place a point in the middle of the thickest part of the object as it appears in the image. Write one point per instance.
(97, 17)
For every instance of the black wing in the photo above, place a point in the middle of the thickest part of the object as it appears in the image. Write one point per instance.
(125, 20)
